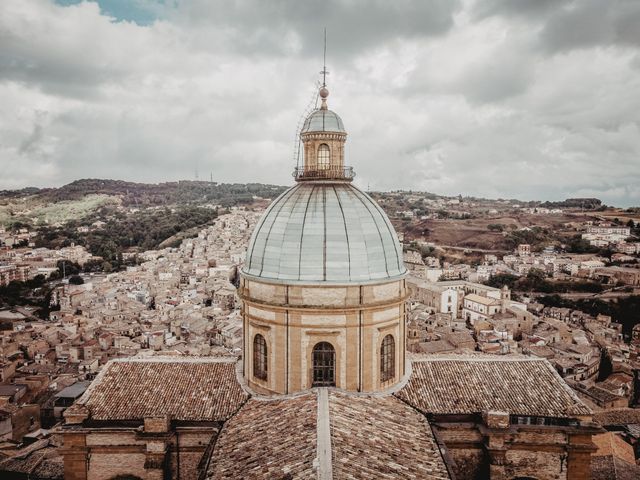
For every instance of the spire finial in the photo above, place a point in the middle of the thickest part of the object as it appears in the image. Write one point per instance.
(324, 93)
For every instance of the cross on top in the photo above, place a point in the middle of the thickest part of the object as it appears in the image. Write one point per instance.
(324, 72)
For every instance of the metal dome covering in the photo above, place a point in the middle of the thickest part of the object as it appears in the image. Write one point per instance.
(323, 120)
(324, 232)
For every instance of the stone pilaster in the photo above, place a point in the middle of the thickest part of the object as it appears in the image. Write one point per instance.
(579, 451)
(494, 429)
(75, 455)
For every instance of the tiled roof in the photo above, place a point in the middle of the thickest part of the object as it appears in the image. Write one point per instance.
(39, 460)
(204, 389)
(623, 416)
(612, 468)
(449, 384)
(611, 443)
(268, 439)
(472, 297)
(382, 438)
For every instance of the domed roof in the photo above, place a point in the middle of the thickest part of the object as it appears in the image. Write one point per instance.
(324, 232)
(323, 120)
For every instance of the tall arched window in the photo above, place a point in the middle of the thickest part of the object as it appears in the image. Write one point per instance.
(259, 357)
(324, 365)
(324, 155)
(387, 359)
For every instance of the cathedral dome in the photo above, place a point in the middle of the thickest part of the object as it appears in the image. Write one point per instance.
(323, 120)
(328, 232)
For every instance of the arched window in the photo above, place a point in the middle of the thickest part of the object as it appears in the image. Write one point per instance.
(323, 157)
(324, 365)
(259, 357)
(387, 359)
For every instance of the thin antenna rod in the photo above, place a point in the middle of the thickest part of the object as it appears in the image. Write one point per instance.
(324, 61)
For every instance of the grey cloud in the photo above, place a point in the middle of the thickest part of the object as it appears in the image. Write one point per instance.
(433, 97)
(517, 8)
(29, 144)
(353, 26)
(588, 23)
(569, 24)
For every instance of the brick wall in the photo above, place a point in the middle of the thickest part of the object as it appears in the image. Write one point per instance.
(537, 464)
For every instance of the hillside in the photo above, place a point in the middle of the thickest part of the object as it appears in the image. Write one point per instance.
(81, 198)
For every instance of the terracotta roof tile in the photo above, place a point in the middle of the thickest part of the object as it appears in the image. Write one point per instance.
(623, 416)
(383, 438)
(449, 384)
(39, 460)
(611, 468)
(274, 439)
(204, 389)
(611, 443)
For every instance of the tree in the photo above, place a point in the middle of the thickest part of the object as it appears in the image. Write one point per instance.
(606, 367)
(66, 267)
(76, 280)
(577, 244)
(501, 279)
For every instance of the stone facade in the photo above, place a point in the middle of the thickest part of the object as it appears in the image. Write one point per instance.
(152, 452)
(335, 142)
(478, 446)
(354, 319)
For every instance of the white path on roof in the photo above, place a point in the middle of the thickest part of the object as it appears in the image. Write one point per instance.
(323, 433)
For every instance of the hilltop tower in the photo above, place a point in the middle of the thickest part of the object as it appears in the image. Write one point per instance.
(323, 285)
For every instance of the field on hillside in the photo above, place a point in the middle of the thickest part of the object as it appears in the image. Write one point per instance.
(37, 211)
(474, 233)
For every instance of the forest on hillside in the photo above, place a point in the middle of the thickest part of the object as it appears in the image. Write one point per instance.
(154, 194)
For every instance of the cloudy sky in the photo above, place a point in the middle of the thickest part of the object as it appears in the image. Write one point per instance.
(530, 99)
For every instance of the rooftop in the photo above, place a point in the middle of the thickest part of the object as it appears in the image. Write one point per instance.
(383, 438)
(187, 389)
(73, 391)
(462, 384)
(285, 438)
(472, 297)
(322, 120)
(268, 439)
(622, 416)
(328, 232)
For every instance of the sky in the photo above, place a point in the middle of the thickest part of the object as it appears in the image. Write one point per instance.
(527, 99)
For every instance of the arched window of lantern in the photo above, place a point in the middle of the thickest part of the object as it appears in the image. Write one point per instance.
(324, 157)
(259, 357)
(387, 359)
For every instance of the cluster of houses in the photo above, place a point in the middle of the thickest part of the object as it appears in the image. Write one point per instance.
(606, 234)
(17, 237)
(461, 316)
(22, 264)
(558, 266)
(179, 301)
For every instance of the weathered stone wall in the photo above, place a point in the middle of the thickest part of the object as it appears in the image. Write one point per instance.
(503, 452)
(536, 464)
(469, 464)
(101, 455)
(354, 319)
(105, 466)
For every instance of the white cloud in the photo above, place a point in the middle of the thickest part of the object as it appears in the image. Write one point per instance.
(484, 101)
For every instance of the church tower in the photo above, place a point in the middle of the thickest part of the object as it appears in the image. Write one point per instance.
(323, 284)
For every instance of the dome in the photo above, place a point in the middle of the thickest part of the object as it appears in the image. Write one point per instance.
(323, 120)
(324, 232)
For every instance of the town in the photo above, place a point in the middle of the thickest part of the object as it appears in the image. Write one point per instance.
(182, 301)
